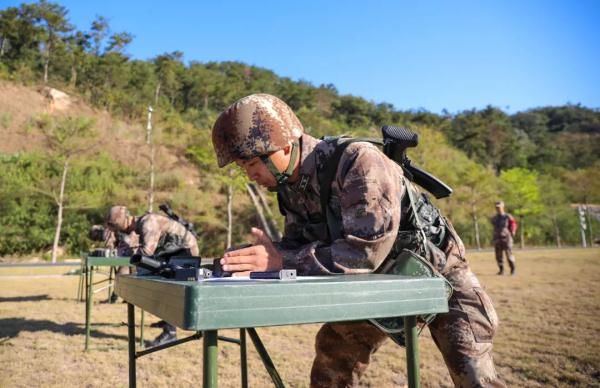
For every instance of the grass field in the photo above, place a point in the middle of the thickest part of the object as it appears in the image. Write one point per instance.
(549, 334)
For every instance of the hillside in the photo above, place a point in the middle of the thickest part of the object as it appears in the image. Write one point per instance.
(539, 161)
(125, 142)
(187, 177)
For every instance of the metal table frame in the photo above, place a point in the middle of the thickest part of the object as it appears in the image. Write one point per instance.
(89, 264)
(206, 307)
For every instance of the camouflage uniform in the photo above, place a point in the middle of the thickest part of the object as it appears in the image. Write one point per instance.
(159, 233)
(125, 244)
(503, 241)
(368, 195)
(368, 203)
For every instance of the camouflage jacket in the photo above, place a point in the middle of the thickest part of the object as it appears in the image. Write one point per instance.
(125, 244)
(158, 233)
(368, 195)
(500, 223)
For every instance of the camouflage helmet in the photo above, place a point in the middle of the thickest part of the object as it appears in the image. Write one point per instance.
(117, 218)
(255, 125)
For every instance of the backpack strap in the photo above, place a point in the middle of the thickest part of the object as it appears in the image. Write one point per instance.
(326, 176)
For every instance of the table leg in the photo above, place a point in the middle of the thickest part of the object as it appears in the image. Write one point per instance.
(80, 284)
(412, 351)
(209, 359)
(111, 269)
(88, 306)
(243, 358)
(131, 339)
(142, 329)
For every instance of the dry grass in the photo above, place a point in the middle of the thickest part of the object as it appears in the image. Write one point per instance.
(21, 105)
(550, 326)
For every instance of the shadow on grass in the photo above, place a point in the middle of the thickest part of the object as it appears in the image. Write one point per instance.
(11, 327)
(29, 298)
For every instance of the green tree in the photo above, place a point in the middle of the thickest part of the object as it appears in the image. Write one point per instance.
(522, 196)
(20, 39)
(52, 18)
(77, 44)
(66, 138)
(477, 190)
(169, 68)
(99, 31)
(489, 137)
(199, 85)
(554, 198)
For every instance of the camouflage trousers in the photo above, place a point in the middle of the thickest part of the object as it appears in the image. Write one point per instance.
(504, 247)
(463, 336)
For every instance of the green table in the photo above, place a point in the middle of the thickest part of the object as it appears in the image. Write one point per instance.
(90, 263)
(208, 306)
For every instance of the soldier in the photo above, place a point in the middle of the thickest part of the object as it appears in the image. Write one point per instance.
(124, 245)
(369, 203)
(157, 234)
(504, 230)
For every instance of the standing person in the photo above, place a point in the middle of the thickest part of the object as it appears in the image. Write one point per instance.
(371, 206)
(505, 227)
(157, 234)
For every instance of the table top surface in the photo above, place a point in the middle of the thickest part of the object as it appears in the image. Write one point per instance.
(233, 303)
(107, 261)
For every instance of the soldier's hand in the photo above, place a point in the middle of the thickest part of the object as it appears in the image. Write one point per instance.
(262, 256)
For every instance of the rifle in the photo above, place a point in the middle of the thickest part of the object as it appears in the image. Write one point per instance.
(171, 214)
(395, 142)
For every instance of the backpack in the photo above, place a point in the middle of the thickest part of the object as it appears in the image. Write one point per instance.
(420, 242)
(513, 225)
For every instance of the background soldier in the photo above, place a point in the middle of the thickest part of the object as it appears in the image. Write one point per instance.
(157, 234)
(504, 229)
(124, 245)
(369, 203)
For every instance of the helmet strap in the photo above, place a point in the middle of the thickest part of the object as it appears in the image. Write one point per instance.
(282, 177)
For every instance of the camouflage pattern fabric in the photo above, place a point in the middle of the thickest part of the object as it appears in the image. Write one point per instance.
(503, 240)
(253, 126)
(125, 244)
(367, 195)
(502, 232)
(158, 233)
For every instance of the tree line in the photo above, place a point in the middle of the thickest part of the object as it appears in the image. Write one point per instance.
(539, 161)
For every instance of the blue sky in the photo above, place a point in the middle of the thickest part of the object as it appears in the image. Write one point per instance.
(414, 54)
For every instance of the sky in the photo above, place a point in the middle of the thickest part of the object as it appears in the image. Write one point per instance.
(431, 55)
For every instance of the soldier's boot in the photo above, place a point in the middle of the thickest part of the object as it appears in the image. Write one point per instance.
(168, 334)
(159, 324)
(500, 270)
(512, 268)
(113, 298)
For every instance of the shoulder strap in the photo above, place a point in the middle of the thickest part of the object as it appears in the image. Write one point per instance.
(411, 198)
(326, 175)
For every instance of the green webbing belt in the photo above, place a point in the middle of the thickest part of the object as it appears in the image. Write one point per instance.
(282, 177)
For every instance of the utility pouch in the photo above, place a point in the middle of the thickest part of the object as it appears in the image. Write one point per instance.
(407, 263)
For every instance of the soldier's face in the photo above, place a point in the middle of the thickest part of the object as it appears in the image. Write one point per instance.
(257, 171)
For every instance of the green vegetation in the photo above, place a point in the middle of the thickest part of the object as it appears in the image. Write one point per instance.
(540, 161)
